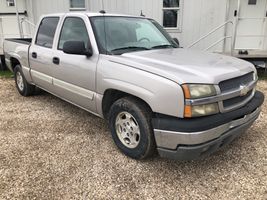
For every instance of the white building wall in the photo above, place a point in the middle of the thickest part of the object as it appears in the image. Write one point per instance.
(37, 8)
(8, 21)
(5, 9)
(197, 17)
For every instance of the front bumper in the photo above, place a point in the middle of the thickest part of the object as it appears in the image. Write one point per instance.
(188, 139)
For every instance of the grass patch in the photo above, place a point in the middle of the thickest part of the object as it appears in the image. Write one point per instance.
(262, 74)
(6, 74)
(263, 78)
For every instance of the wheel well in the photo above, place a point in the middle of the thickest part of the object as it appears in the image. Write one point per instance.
(2, 57)
(2, 62)
(14, 63)
(112, 95)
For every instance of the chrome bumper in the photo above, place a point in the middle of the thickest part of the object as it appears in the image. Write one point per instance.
(170, 140)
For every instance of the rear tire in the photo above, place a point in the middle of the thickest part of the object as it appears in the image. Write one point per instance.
(3, 63)
(23, 87)
(131, 128)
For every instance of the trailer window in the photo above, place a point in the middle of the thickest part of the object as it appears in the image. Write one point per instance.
(10, 3)
(77, 4)
(46, 32)
(171, 11)
(252, 2)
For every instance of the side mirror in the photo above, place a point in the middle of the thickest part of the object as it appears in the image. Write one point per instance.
(176, 41)
(77, 48)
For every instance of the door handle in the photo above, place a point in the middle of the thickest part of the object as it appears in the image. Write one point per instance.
(56, 60)
(235, 13)
(34, 54)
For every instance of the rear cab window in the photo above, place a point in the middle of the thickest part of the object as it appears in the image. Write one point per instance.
(46, 32)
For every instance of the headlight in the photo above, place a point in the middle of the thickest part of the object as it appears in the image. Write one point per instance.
(201, 110)
(196, 91)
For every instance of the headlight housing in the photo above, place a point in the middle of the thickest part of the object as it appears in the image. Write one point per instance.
(198, 91)
(201, 110)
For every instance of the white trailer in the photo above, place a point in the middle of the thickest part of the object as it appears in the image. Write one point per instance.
(13, 22)
(236, 27)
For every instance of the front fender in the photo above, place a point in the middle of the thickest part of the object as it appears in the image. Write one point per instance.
(162, 95)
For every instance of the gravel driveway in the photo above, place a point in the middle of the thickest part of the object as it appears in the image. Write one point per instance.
(50, 149)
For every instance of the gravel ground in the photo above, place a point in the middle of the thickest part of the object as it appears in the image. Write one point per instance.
(50, 149)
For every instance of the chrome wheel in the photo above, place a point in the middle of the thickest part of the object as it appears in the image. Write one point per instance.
(127, 130)
(19, 80)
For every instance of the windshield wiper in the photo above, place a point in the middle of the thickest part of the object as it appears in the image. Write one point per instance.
(130, 48)
(163, 46)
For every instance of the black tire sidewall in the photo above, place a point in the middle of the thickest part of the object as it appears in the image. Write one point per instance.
(3, 64)
(141, 150)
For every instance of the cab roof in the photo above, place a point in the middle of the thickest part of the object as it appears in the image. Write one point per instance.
(89, 14)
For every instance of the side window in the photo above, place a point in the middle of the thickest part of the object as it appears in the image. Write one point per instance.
(46, 32)
(73, 29)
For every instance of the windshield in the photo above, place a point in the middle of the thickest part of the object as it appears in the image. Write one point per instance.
(118, 35)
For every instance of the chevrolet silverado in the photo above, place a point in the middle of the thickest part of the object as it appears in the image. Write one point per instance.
(156, 96)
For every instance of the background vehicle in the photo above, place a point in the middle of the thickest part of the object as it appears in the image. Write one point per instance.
(128, 70)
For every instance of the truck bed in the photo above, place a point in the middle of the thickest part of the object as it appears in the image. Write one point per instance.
(14, 47)
(26, 41)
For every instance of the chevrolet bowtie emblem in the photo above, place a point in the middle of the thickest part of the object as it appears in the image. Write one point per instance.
(244, 89)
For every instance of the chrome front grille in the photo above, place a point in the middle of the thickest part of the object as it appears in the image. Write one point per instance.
(231, 94)
(235, 83)
(236, 100)
(239, 83)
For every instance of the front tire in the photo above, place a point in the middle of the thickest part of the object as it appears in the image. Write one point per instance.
(131, 128)
(23, 87)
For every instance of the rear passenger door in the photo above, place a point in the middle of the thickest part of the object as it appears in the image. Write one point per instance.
(74, 75)
(41, 53)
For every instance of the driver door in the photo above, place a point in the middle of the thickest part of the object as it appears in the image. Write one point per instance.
(74, 75)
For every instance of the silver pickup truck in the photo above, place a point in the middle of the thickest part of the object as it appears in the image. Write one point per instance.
(155, 95)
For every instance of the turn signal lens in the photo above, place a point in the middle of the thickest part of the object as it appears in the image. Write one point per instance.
(186, 91)
(188, 111)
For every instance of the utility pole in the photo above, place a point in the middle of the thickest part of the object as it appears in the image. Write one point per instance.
(17, 14)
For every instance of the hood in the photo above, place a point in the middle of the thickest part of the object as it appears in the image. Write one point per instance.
(186, 66)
